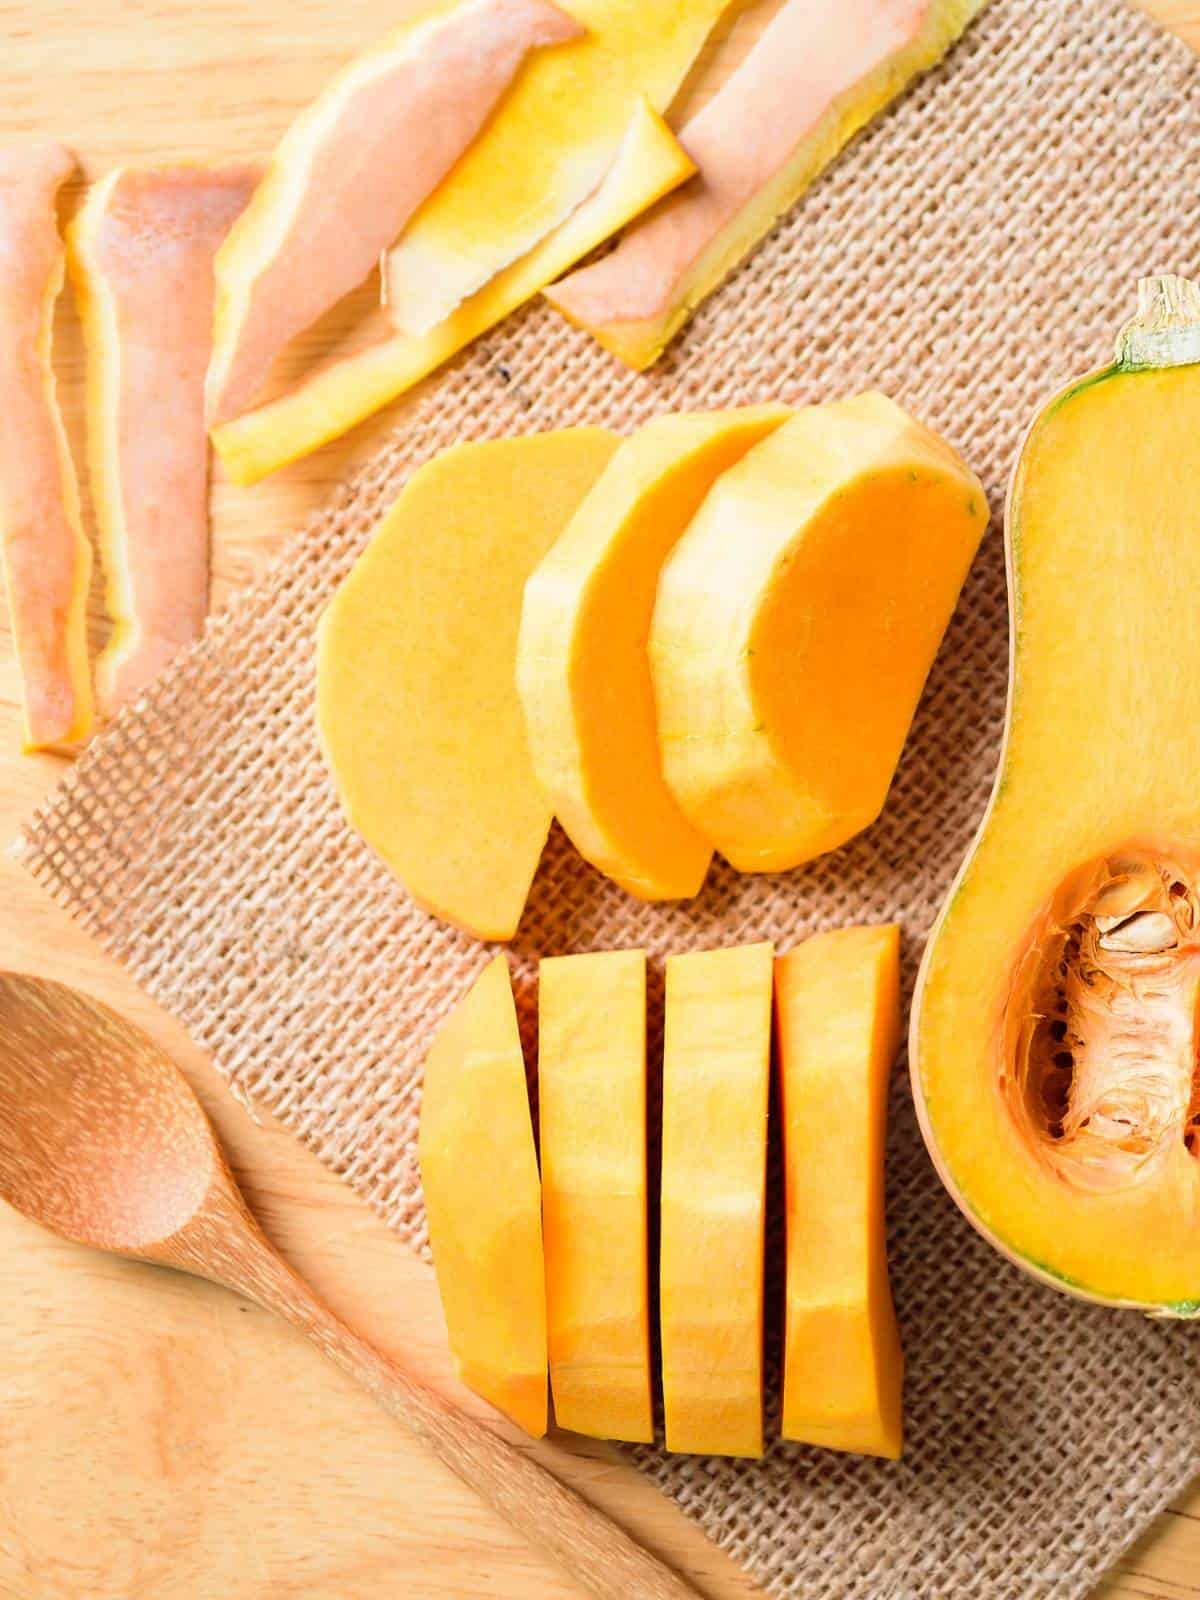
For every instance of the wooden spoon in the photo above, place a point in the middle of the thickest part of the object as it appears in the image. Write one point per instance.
(103, 1141)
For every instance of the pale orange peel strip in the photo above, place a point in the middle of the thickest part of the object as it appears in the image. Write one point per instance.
(817, 75)
(649, 164)
(548, 150)
(47, 559)
(353, 168)
(141, 255)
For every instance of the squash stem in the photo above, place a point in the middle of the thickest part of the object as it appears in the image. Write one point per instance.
(1166, 330)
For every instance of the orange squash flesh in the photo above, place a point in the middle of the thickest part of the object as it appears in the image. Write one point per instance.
(837, 1009)
(795, 624)
(582, 664)
(483, 1201)
(716, 1066)
(1054, 1033)
(592, 1113)
(46, 557)
(417, 706)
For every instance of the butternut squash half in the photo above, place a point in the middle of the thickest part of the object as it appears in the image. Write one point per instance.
(795, 624)
(837, 1011)
(1054, 1039)
(716, 1070)
(417, 706)
(582, 664)
(592, 1113)
(483, 1201)
(816, 75)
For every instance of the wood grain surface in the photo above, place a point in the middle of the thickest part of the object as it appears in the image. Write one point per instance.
(161, 1439)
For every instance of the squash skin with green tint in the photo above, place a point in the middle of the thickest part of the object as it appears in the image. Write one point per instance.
(1053, 1034)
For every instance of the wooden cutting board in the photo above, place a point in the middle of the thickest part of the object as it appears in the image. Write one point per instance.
(160, 1439)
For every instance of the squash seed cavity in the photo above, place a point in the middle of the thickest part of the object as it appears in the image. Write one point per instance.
(1099, 1062)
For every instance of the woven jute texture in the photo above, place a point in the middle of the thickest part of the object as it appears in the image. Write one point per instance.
(974, 249)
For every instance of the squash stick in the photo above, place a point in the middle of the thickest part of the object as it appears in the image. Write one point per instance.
(592, 1123)
(351, 171)
(716, 1069)
(818, 74)
(483, 1197)
(46, 558)
(837, 1024)
(141, 254)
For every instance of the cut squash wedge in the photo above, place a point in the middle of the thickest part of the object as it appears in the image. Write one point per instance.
(352, 170)
(716, 1067)
(340, 395)
(417, 706)
(141, 255)
(582, 664)
(532, 168)
(837, 1010)
(592, 1113)
(816, 75)
(47, 559)
(483, 1201)
(796, 622)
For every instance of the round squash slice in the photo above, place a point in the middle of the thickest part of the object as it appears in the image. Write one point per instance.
(417, 709)
(1055, 1031)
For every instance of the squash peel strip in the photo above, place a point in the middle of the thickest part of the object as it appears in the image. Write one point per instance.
(46, 557)
(334, 196)
(816, 76)
(334, 399)
(141, 255)
(559, 133)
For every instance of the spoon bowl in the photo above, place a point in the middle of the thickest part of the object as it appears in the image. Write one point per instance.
(101, 1138)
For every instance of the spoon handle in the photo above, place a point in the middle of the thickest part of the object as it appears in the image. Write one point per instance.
(589, 1547)
(585, 1543)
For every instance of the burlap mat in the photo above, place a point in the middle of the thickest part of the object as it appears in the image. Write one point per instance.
(974, 249)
